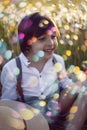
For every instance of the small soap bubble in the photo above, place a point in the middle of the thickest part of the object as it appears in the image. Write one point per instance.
(26, 114)
(42, 103)
(21, 35)
(8, 54)
(3, 47)
(40, 53)
(16, 71)
(1, 15)
(35, 58)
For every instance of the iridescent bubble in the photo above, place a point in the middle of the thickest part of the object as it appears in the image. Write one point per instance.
(33, 81)
(71, 69)
(36, 111)
(53, 107)
(54, 87)
(16, 71)
(55, 96)
(35, 58)
(16, 123)
(42, 103)
(58, 67)
(12, 116)
(22, 4)
(8, 120)
(21, 35)
(0, 43)
(81, 76)
(49, 113)
(70, 117)
(83, 89)
(8, 54)
(26, 114)
(3, 47)
(74, 109)
(1, 15)
(34, 39)
(73, 91)
(43, 23)
(40, 53)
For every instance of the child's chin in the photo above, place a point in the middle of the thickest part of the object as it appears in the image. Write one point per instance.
(48, 56)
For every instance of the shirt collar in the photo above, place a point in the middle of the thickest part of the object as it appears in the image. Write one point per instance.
(24, 59)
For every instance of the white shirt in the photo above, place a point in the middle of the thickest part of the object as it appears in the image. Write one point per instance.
(34, 83)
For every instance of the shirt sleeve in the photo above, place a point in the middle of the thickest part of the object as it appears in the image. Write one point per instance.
(8, 81)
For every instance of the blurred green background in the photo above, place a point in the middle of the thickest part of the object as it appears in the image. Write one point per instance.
(69, 15)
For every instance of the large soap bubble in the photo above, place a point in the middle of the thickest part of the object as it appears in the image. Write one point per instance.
(20, 116)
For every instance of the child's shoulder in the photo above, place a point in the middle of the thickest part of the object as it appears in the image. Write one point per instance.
(11, 63)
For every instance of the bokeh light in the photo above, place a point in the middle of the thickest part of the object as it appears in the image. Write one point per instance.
(71, 20)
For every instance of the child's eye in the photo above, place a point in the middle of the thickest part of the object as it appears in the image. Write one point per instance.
(42, 38)
(53, 36)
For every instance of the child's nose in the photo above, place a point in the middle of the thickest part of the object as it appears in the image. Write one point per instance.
(50, 42)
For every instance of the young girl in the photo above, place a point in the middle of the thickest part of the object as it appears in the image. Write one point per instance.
(44, 84)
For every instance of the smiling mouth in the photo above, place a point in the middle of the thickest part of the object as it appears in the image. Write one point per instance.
(50, 50)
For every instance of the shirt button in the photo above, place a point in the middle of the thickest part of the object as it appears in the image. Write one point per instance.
(42, 97)
(41, 93)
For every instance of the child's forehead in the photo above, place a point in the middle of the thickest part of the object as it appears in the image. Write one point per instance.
(46, 36)
(53, 31)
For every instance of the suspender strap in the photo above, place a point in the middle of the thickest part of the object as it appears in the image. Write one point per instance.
(25, 124)
(18, 63)
(19, 88)
(54, 60)
(19, 78)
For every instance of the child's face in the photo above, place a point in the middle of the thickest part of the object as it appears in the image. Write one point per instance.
(46, 44)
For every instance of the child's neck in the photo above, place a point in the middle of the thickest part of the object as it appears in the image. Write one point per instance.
(39, 65)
